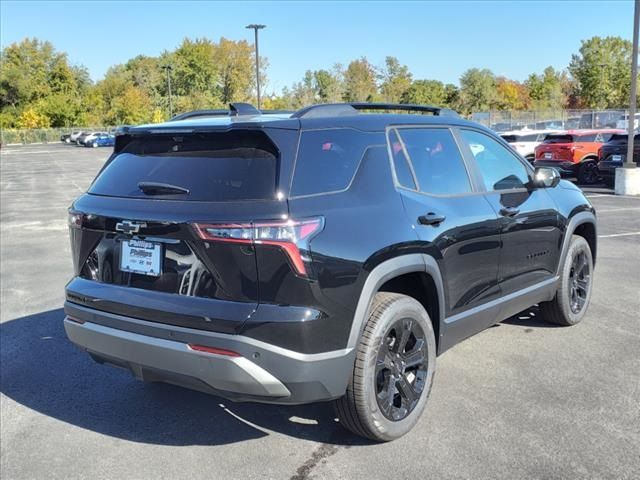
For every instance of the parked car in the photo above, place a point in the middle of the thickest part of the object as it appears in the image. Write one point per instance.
(574, 153)
(65, 138)
(88, 136)
(102, 140)
(623, 123)
(525, 141)
(73, 138)
(323, 255)
(614, 153)
(603, 119)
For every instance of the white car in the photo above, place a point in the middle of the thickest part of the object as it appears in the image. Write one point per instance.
(525, 141)
(623, 123)
(91, 136)
(73, 138)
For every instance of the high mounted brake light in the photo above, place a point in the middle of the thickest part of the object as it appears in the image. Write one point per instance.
(291, 236)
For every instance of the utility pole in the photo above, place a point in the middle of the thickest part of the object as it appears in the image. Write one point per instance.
(629, 163)
(168, 69)
(255, 28)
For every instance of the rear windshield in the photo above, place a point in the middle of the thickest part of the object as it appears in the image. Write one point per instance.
(558, 139)
(230, 166)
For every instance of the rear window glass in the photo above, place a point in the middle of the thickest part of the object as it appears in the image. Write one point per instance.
(558, 139)
(328, 160)
(231, 166)
(591, 137)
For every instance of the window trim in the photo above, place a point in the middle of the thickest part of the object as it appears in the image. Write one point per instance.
(398, 185)
(467, 152)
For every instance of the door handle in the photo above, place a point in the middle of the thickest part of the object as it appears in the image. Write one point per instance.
(509, 211)
(431, 219)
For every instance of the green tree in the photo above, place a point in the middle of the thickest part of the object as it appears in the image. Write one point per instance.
(426, 92)
(602, 69)
(235, 68)
(34, 76)
(360, 81)
(477, 90)
(547, 90)
(329, 85)
(396, 80)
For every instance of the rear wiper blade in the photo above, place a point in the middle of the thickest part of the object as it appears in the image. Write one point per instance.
(156, 188)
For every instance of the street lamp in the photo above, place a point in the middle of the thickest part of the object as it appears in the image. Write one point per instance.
(631, 122)
(255, 28)
(168, 69)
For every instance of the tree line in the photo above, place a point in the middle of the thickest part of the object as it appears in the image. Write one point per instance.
(40, 87)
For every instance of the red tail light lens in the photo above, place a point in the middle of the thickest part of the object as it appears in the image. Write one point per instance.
(290, 235)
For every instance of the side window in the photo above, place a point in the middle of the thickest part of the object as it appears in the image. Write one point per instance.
(436, 160)
(328, 160)
(500, 169)
(400, 162)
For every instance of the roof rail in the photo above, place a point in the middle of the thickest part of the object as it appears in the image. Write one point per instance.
(235, 109)
(340, 109)
(201, 113)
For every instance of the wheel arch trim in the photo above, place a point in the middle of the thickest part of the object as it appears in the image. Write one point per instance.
(394, 267)
(574, 222)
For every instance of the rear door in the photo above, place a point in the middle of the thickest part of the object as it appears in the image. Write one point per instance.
(171, 215)
(449, 215)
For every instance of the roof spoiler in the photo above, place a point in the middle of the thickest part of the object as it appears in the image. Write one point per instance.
(353, 108)
(237, 109)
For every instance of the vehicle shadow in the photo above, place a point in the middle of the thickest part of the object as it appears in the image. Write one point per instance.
(42, 370)
(531, 317)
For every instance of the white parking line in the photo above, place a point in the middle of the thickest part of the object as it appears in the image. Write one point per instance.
(626, 234)
(621, 209)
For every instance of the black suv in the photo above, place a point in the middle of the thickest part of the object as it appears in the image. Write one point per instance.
(612, 155)
(327, 254)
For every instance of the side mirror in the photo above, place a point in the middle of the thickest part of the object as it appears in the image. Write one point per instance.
(546, 177)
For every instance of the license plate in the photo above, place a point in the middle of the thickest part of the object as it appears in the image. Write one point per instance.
(616, 158)
(139, 256)
(548, 156)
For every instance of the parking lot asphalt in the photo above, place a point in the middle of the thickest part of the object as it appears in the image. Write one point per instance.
(520, 400)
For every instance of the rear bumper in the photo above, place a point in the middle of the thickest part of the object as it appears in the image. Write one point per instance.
(565, 168)
(261, 372)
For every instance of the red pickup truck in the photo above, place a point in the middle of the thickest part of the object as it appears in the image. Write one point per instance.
(574, 153)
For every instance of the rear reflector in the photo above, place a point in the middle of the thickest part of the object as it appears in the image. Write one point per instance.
(75, 320)
(213, 350)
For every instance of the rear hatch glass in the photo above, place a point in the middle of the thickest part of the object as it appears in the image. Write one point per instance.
(559, 139)
(216, 167)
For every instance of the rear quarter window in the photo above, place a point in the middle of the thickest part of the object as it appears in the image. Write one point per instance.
(559, 139)
(328, 160)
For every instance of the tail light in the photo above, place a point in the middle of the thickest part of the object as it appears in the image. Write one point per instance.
(291, 236)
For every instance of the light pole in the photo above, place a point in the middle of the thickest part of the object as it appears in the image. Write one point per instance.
(631, 122)
(168, 69)
(255, 28)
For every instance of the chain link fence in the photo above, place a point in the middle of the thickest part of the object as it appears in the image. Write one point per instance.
(43, 135)
(502, 121)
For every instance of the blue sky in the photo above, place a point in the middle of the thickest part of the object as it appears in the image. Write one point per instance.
(436, 40)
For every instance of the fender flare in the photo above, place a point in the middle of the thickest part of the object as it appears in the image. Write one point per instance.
(574, 222)
(394, 267)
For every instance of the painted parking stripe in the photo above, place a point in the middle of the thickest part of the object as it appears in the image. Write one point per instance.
(621, 209)
(626, 234)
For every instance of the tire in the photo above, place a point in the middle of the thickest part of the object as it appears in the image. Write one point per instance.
(588, 173)
(377, 365)
(562, 309)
